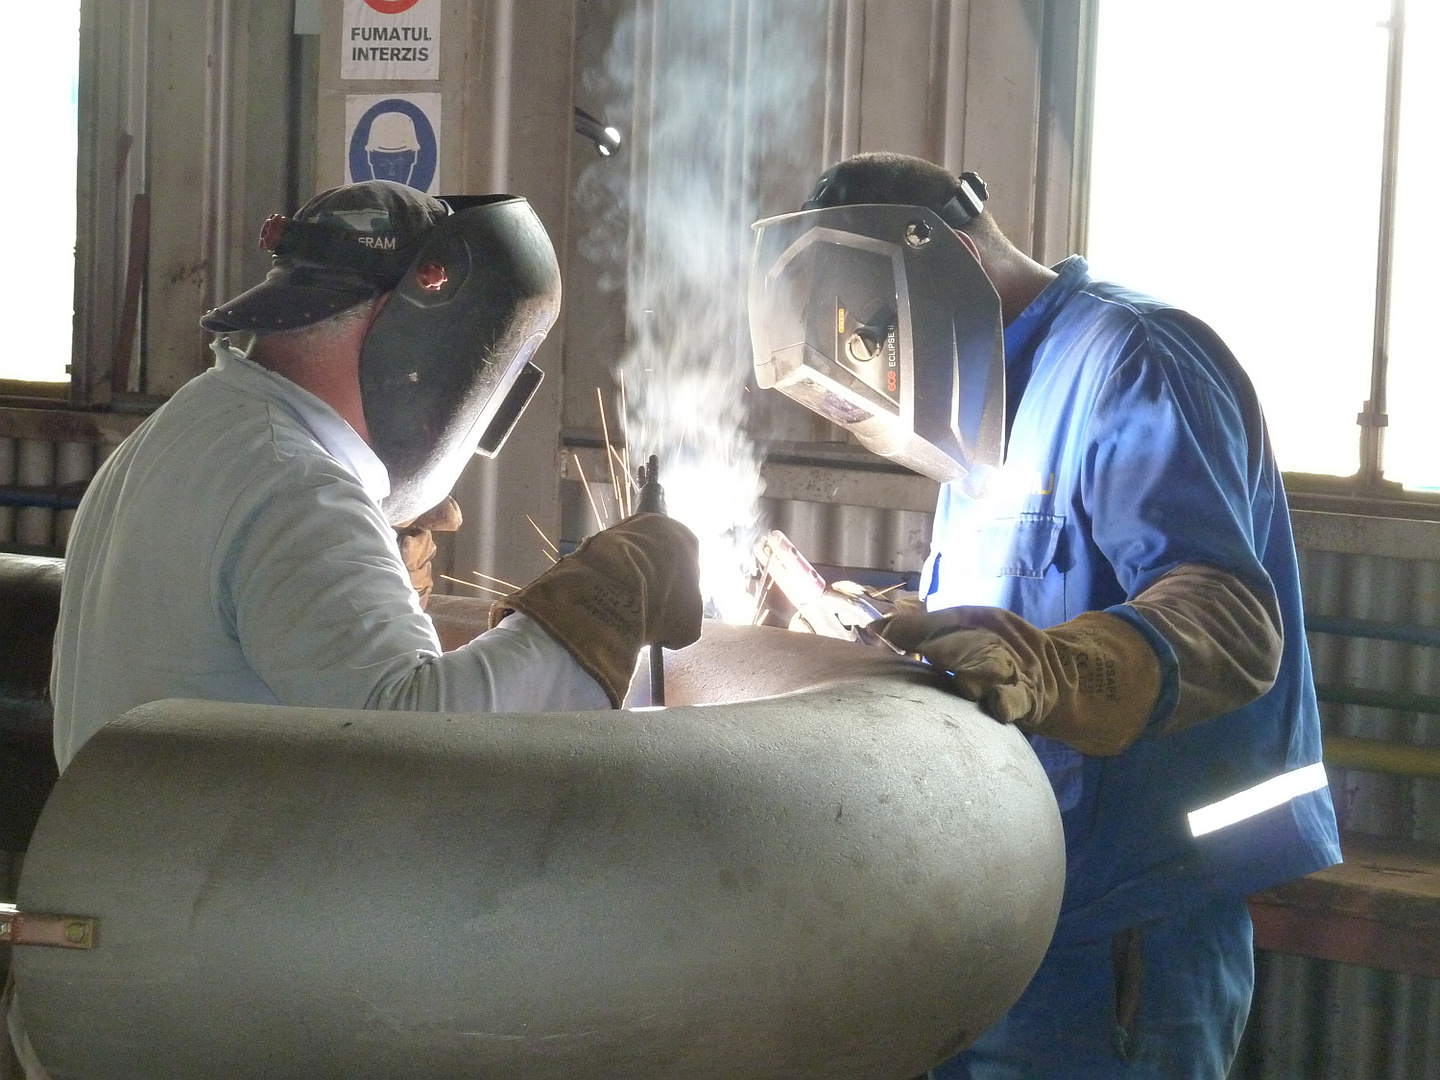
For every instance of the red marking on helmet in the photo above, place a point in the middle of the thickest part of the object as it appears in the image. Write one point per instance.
(272, 231)
(431, 275)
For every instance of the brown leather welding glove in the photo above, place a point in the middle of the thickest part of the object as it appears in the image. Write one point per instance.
(1091, 683)
(636, 583)
(417, 545)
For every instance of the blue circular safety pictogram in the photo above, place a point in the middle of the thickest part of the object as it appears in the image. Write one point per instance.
(394, 140)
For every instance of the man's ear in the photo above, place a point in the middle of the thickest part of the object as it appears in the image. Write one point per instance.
(375, 309)
(969, 243)
(380, 302)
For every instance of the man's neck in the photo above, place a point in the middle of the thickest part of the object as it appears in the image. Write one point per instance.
(1019, 280)
(329, 369)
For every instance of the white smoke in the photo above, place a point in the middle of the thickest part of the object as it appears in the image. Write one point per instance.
(720, 94)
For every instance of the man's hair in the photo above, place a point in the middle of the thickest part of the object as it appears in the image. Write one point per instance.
(905, 180)
(327, 329)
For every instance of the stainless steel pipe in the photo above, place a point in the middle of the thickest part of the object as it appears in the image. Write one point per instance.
(848, 880)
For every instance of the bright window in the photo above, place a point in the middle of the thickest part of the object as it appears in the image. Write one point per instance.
(1412, 447)
(1236, 171)
(39, 79)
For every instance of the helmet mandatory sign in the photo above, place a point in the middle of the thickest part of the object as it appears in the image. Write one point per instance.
(394, 138)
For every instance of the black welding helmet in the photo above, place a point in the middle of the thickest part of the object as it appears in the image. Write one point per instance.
(877, 317)
(446, 368)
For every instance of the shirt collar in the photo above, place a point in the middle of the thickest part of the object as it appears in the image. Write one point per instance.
(328, 427)
(1029, 328)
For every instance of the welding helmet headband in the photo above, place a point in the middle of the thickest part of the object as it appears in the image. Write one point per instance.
(878, 318)
(446, 368)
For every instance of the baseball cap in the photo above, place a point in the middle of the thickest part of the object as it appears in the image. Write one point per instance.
(343, 247)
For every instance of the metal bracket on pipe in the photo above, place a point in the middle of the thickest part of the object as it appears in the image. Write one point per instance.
(52, 931)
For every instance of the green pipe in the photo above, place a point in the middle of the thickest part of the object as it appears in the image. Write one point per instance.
(1377, 755)
(1398, 700)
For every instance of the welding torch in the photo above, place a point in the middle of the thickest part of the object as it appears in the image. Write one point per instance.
(652, 501)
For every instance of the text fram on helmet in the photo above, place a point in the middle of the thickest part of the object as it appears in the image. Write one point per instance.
(878, 318)
(446, 369)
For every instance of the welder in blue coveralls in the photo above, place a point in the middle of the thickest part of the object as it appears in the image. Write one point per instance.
(1122, 586)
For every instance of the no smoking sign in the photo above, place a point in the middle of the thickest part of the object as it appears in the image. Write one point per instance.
(391, 39)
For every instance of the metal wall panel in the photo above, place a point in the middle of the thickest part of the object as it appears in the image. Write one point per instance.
(74, 463)
(1328, 1021)
(1317, 1020)
(1388, 590)
(1002, 108)
(859, 537)
(112, 162)
(35, 467)
(7, 477)
(219, 86)
(178, 285)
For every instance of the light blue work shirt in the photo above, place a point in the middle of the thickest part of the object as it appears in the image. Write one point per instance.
(233, 549)
(1135, 445)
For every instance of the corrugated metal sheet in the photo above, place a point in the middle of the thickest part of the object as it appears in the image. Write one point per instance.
(74, 462)
(9, 881)
(7, 477)
(1328, 1021)
(863, 537)
(1397, 591)
(41, 464)
(1323, 1021)
(35, 467)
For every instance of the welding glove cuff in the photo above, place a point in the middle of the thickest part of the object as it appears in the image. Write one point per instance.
(417, 544)
(1092, 682)
(634, 584)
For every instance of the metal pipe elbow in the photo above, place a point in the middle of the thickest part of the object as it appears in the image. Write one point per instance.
(815, 875)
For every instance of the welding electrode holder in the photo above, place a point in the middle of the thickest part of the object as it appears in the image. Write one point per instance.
(652, 501)
(52, 931)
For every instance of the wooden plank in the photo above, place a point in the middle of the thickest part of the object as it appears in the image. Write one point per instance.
(1344, 939)
(1379, 909)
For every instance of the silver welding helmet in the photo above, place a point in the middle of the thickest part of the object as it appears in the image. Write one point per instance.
(878, 318)
(446, 369)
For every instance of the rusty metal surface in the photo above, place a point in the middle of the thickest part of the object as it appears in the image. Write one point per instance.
(848, 880)
(38, 929)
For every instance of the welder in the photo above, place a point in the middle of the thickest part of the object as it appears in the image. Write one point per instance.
(241, 544)
(1112, 570)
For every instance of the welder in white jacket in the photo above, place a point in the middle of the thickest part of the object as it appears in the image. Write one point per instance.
(239, 545)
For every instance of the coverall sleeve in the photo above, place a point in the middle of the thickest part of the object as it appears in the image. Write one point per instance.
(310, 579)
(1172, 475)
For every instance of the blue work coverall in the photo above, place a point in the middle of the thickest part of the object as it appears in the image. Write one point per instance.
(1135, 445)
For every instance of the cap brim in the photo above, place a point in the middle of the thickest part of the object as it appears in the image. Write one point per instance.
(290, 298)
